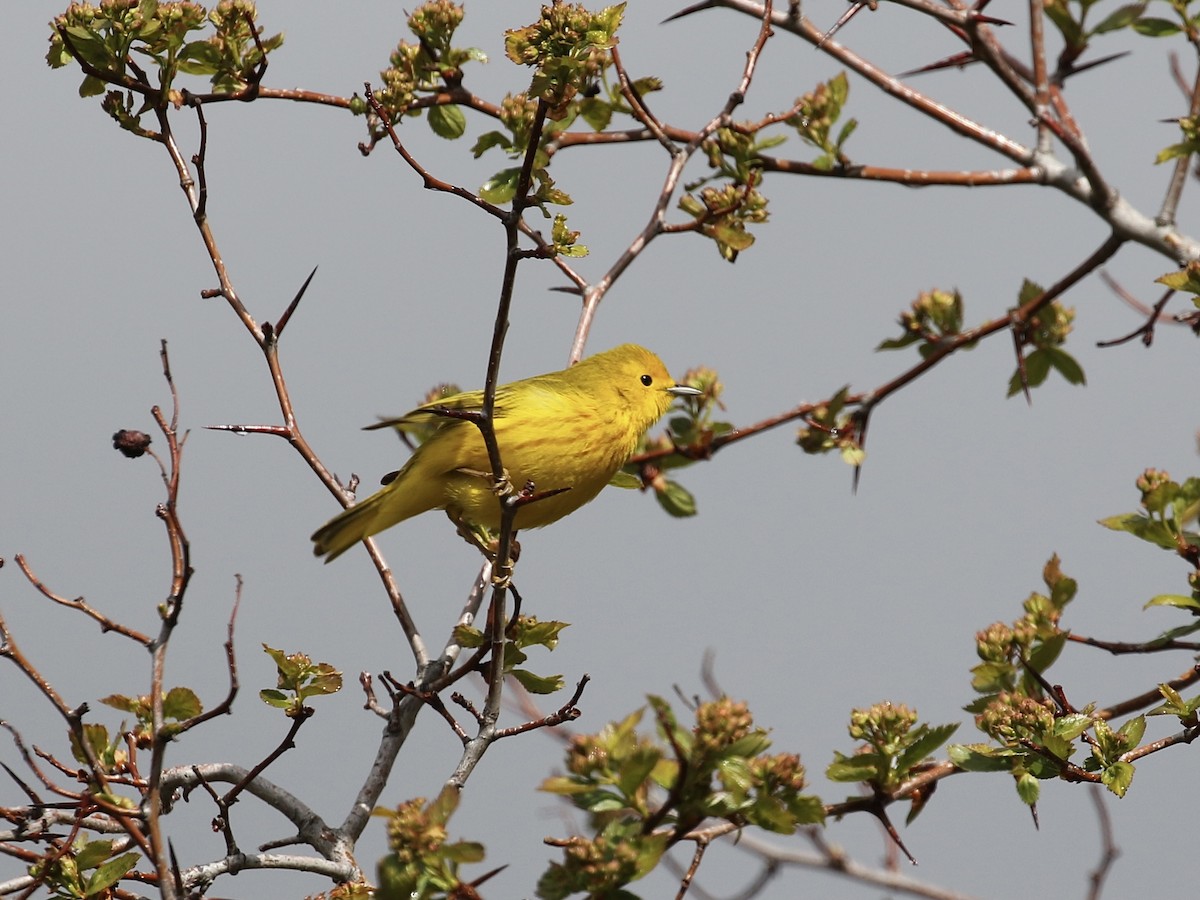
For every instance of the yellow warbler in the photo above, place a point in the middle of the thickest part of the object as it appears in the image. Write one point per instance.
(571, 429)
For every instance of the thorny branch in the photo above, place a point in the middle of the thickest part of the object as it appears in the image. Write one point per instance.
(1038, 89)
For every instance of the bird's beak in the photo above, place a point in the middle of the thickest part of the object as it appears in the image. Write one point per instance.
(680, 390)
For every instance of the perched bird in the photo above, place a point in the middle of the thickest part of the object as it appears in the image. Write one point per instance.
(567, 431)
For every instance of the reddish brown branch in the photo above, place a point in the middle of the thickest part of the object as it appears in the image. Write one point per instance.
(79, 603)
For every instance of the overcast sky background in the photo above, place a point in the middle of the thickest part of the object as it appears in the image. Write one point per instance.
(815, 601)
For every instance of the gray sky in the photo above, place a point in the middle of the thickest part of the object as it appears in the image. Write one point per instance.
(814, 600)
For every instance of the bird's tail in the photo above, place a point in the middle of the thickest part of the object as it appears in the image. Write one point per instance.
(347, 528)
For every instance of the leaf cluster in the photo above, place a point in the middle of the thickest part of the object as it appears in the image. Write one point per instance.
(816, 113)
(568, 47)
(830, 427)
(430, 66)
(421, 862)
(178, 705)
(107, 35)
(893, 748)
(86, 869)
(298, 679)
(523, 632)
(1046, 331)
(642, 794)
(1169, 511)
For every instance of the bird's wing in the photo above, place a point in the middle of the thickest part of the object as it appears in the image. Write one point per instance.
(426, 417)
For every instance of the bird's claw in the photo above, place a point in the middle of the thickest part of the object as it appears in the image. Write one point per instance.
(503, 485)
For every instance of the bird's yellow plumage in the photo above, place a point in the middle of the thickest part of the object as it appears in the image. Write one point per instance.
(571, 429)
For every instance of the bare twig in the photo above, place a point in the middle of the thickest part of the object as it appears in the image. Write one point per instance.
(1108, 848)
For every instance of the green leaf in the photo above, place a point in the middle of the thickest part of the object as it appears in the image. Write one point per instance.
(91, 87)
(1066, 365)
(847, 130)
(1044, 655)
(1133, 730)
(96, 737)
(1153, 27)
(853, 768)
(564, 785)
(93, 853)
(1028, 789)
(770, 814)
(1121, 17)
(121, 702)
(1140, 526)
(1037, 367)
(109, 874)
(925, 745)
(534, 632)
(274, 698)
(1179, 601)
(1117, 777)
(980, 757)
(676, 500)
(1187, 278)
(468, 637)
(636, 769)
(538, 684)
(596, 112)
(808, 810)
(463, 852)
(181, 703)
(501, 187)
(1071, 726)
(447, 121)
(627, 480)
(489, 140)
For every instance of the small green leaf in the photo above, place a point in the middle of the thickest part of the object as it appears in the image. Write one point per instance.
(121, 702)
(91, 87)
(1117, 777)
(93, 853)
(501, 187)
(488, 140)
(1153, 27)
(1037, 367)
(1071, 726)
(676, 500)
(1121, 17)
(636, 769)
(1045, 654)
(808, 810)
(627, 480)
(1140, 526)
(925, 745)
(1187, 278)
(1066, 365)
(1028, 789)
(853, 768)
(468, 637)
(447, 121)
(463, 852)
(1179, 601)
(538, 684)
(596, 112)
(980, 757)
(274, 698)
(181, 703)
(1133, 731)
(109, 874)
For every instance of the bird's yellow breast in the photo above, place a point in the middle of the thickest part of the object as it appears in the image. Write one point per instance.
(559, 440)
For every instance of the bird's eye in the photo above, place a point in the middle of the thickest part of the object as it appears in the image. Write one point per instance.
(647, 380)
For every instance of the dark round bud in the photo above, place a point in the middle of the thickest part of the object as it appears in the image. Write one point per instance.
(131, 443)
